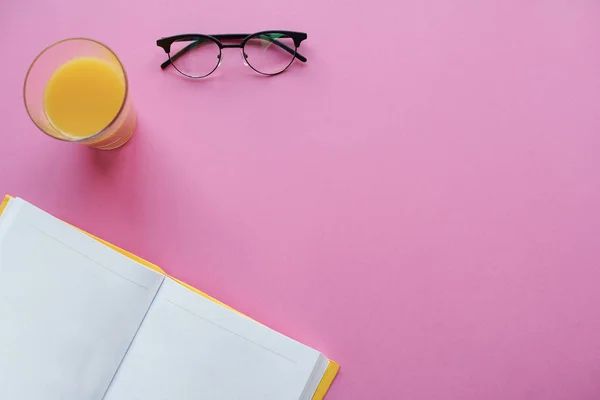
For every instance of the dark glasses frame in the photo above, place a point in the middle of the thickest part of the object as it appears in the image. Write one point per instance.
(197, 39)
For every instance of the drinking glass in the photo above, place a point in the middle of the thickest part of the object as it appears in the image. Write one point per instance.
(76, 90)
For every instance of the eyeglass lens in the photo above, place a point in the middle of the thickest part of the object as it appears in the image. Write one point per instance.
(270, 53)
(195, 58)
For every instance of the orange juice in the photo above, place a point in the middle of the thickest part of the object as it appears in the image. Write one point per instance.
(84, 96)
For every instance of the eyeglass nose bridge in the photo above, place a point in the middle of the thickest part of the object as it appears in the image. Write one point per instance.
(233, 46)
(243, 54)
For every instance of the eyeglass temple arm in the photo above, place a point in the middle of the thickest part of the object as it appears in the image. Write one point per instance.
(230, 37)
(285, 47)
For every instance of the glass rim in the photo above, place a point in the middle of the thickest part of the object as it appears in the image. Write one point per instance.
(121, 108)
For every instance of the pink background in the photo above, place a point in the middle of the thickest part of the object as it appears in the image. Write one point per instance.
(420, 201)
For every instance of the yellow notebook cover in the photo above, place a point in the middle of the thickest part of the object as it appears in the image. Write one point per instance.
(332, 369)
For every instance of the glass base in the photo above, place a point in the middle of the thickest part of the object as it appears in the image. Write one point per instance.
(120, 139)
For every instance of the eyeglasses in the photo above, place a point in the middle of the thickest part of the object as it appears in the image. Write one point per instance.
(267, 52)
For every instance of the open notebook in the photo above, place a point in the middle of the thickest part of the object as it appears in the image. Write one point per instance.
(82, 320)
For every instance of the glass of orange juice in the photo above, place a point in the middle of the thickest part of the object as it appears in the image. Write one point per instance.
(76, 90)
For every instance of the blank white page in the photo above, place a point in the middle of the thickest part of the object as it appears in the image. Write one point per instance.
(69, 308)
(189, 347)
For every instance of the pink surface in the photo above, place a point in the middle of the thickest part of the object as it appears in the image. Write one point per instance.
(420, 201)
